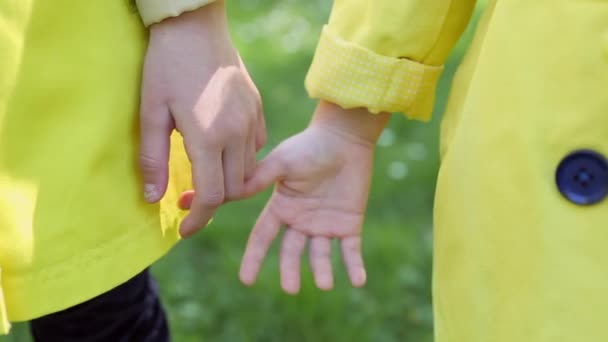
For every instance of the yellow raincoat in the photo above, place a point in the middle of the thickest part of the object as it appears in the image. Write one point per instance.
(73, 222)
(521, 216)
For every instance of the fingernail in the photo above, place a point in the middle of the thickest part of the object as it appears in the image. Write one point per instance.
(185, 230)
(150, 192)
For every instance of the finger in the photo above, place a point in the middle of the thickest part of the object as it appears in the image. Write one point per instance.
(351, 254)
(320, 262)
(155, 126)
(292, 248)
(208, 178)
(185, 200)
(234, 170)
(267, 172)
(260, 136)
(264, 232)
(260, 133)
(250, 156)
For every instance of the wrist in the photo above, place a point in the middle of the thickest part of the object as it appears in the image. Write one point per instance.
(356, 123)
(204, 30)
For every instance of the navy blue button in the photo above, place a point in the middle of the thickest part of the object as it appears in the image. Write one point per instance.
(582, 177)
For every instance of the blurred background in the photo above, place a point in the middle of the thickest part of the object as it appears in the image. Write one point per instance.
(199, 279)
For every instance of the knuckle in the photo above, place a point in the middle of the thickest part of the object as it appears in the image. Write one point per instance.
(212, 138)
(233, 194)
(351, 248)
(259, 105)
(319, 254)
(290, 249)
(213, 198)
(261, 236)
(155, 121)
(294, 247)
(149, 163)
(238, 128)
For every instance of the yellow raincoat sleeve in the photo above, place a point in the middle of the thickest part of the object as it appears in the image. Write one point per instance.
(154, 11)
(386, 55)
(4, 324)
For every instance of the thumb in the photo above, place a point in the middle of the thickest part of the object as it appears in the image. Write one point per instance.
(156, 127)
(270, 170)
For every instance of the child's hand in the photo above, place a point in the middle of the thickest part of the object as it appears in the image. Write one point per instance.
(322, 178)
(194, 81)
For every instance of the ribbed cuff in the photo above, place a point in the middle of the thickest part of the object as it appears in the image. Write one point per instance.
(354, 77)
(154, 11)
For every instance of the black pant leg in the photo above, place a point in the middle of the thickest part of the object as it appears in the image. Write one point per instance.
(130, 312)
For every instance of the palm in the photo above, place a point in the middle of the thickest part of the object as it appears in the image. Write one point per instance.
(322, 183)
(323, 195)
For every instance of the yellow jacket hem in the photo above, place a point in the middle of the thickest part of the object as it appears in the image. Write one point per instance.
(60, 286)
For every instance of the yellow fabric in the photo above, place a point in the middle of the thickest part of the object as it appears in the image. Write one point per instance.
(514, 260)
(386, 55)
(73, 223)
(4, 324)
(154, 11)
(352, 76)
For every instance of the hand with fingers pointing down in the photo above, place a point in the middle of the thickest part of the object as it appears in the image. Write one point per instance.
(322, 178)
(194, 81)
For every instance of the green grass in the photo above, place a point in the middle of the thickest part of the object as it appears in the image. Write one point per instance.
(198, 279)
